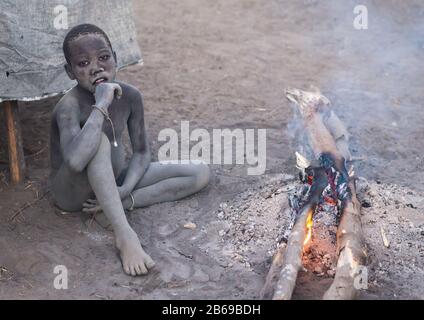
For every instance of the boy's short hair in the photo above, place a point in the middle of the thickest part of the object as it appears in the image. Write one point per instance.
(79, 30)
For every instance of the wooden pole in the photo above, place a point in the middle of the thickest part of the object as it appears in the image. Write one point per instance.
(351, 251)
(273, 276)
(292, 259)
(14, 137)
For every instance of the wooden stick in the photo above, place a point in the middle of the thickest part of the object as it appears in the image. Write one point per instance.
(274, 271)
(286, 264)
(14, 137)
(292, 260)
(351, 250)
(26, 206)
(340, 134)
(311, 104)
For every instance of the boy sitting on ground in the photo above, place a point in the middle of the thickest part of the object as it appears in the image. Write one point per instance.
(86, 121)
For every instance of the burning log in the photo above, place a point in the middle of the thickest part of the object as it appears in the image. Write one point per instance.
(299, 236)
(292, 259)
(273, 274)
(327, 184)
(351, 250)
(314, 108)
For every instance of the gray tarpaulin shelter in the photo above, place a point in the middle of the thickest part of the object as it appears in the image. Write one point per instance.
(31, 58)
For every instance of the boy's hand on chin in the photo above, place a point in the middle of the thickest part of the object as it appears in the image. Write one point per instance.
(105, 93)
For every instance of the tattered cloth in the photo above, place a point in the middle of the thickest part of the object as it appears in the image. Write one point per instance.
(31, 37)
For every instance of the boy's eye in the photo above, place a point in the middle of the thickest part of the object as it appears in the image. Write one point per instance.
(82, 63)
(104, 57)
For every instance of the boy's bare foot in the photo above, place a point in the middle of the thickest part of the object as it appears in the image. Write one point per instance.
(134, 260)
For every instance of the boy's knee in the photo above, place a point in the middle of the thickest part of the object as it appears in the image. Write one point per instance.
(104, 143)
(203, 175)
(104, 139)
(74, 163)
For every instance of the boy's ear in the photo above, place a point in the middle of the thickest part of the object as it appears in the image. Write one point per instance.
(69, 72)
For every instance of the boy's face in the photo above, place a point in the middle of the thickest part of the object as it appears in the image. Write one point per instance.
(91, 61)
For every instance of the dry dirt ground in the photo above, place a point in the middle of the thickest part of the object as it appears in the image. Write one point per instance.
(225, 64)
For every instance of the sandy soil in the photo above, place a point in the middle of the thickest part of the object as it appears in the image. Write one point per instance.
(225, 64)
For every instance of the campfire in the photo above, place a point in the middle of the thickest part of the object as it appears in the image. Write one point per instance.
(325, 213)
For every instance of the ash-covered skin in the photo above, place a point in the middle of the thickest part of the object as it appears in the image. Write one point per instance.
(85, 51)
(85, 165)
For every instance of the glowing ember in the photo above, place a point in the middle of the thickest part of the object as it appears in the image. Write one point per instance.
(324, 188)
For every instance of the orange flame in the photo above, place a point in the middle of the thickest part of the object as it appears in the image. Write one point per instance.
(309, 224)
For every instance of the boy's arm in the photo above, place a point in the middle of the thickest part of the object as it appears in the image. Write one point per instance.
(78, 144)
(140, 159)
